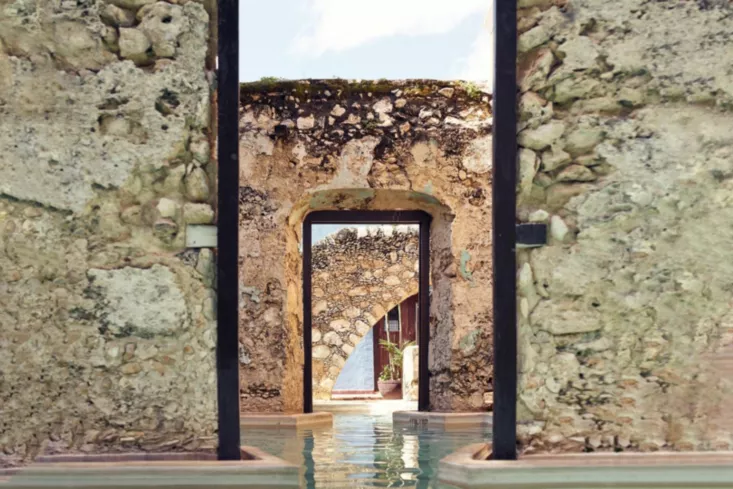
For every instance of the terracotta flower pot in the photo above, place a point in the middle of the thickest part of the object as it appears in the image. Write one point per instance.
(390, 389)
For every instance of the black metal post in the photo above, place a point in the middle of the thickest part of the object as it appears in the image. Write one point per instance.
(423, 386)
(227, 337)
(504, 233)
(307, 317)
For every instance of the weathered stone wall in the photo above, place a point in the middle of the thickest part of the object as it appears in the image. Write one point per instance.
(357, 279)
(626, 141)
(316, 145)
(107, 324)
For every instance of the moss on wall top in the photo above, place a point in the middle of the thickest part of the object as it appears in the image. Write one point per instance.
(329, 113)
(339, 87)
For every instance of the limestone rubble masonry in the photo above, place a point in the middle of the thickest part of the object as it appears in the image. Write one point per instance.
(625, 317)
(106, 320)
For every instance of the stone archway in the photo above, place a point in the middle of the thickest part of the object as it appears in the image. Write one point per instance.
(358, 275)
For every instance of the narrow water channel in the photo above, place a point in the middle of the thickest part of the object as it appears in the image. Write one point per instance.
(362, 451)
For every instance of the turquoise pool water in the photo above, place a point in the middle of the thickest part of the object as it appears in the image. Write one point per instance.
(362, 451)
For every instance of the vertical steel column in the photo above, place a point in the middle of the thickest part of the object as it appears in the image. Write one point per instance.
(307, 317)
(227, 332)
(423, 387)
(504, 233)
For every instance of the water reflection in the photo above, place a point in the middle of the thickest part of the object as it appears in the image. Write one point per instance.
(364, 451)
(309, 444)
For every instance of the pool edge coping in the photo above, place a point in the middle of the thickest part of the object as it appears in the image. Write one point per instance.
(162, 470)
(470, 468)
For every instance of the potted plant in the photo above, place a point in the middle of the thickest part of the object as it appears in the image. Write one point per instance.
(390, 379)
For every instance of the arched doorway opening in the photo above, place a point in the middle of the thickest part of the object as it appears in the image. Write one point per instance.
(331, 343)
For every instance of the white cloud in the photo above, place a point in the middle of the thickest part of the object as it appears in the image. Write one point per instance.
(339, 25)
(479, 64)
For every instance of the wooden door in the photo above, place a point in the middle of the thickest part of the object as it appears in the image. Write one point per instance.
(407, 315)
(408, 319)
(381, 356)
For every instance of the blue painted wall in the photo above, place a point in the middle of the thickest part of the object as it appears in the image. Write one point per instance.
(358, 372)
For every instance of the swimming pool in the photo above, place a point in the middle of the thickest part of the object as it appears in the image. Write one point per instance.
(362, 451)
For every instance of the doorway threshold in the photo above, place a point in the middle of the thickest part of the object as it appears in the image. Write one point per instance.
(378, 407)
(281, 420)
(356, 396)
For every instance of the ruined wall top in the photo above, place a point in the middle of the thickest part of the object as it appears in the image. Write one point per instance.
(326, 114)
(372, 239)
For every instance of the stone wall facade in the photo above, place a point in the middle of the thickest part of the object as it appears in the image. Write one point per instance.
(107, 325)
(357, 279)
(317, 145)
(626, 135)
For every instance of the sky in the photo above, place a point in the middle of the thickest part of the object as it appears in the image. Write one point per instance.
(366, 39)
(321, 231)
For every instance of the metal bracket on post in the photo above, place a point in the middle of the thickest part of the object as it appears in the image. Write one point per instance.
(531, 235)
(201, 236)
